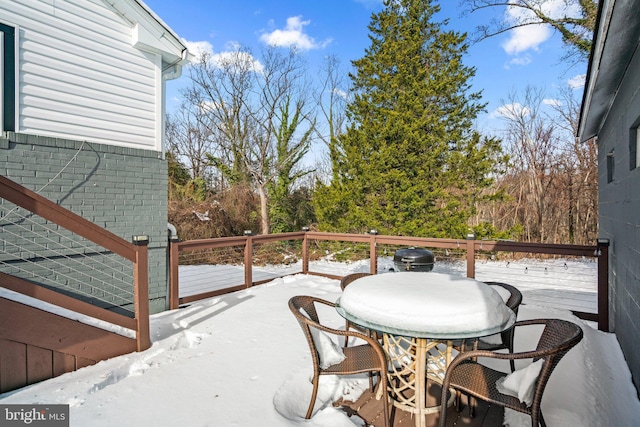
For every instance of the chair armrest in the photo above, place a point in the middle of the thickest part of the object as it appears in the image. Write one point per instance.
(472, 354)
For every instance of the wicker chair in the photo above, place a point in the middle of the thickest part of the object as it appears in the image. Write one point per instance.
(369, 357)
(506, 342)
(344, 282)
(466, 375)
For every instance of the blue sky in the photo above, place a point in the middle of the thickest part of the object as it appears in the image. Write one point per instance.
(504, 64)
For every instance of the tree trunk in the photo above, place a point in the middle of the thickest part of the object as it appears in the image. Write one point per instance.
(264, 210)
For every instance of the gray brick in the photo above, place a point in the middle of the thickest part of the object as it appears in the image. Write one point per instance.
(105, 184)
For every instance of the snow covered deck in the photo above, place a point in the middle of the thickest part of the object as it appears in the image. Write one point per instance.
(564, 284)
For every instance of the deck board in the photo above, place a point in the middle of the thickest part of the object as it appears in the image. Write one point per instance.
(370, 410)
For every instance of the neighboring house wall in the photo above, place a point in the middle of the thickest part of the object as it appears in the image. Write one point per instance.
(619, 212)
(83, 90)
(611, 112)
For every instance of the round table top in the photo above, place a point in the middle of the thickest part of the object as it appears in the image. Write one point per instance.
(425, 305)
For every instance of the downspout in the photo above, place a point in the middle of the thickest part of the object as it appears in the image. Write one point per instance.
(173, 232)
(173, 238)
(170, 72)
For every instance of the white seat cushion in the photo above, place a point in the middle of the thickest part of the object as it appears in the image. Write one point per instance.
(329, 351)
(521, 383)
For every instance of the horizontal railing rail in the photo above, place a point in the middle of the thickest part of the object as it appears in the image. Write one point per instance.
(469, 248)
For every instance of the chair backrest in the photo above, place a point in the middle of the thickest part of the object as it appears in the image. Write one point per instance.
(513, 302)
(305, 303)
(558, 337)
(515, 297)
(346, 280)
(304, 309)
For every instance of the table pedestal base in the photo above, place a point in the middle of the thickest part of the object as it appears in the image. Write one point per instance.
(413, 362)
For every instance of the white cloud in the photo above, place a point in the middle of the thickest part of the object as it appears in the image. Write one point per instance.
(293, 35)
(510, 111)
(342, 94)
(520, 60)
(197, 49)
(208, 106)
(238, 58)
(232, 55)
(552, 102)
(525, 37)
(577, 82)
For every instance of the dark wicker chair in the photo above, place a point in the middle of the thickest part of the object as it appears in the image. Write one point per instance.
(344, 282)
(506, 342)
(466, 375)
(365, 358)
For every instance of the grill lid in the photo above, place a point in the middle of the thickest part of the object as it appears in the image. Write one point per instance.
(414, 256)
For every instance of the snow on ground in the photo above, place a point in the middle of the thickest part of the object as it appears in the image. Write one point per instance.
(241, 359)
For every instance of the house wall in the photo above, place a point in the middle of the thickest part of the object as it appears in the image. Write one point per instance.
(121, 189)
(89, 103)
(619, 214)
(80, 77)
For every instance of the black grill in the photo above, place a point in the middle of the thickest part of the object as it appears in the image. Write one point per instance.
(413, 259)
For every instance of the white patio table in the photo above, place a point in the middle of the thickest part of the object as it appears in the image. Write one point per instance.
(420, 314)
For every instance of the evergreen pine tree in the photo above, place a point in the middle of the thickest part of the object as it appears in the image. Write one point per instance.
(409, 162)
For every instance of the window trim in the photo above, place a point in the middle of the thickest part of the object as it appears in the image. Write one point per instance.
(611, 163)
(8, 65)
(637, 145)
(634, 145)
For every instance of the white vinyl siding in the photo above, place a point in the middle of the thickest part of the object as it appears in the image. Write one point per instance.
(80, 77)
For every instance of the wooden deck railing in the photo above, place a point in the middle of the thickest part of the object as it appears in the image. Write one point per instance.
(136, 253)
(469, 245)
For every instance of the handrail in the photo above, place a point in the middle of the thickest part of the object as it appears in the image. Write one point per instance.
(48, 210)
(137, 254)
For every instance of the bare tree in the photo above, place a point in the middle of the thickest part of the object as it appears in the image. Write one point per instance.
(551, 181)
(532, 144)
(580, 161)
(221, 91)
(248, 104)
(189, 140)
(332, 99)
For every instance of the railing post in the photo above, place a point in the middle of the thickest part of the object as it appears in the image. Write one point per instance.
(373, 252)
(305, 251)
(603, 285)
(248, 259)
(174, 288)
(471, 255)
(141, 292)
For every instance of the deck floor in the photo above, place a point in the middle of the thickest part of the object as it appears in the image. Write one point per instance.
(370, 410)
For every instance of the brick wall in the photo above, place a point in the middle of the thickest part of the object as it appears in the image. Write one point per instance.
(121, 189)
